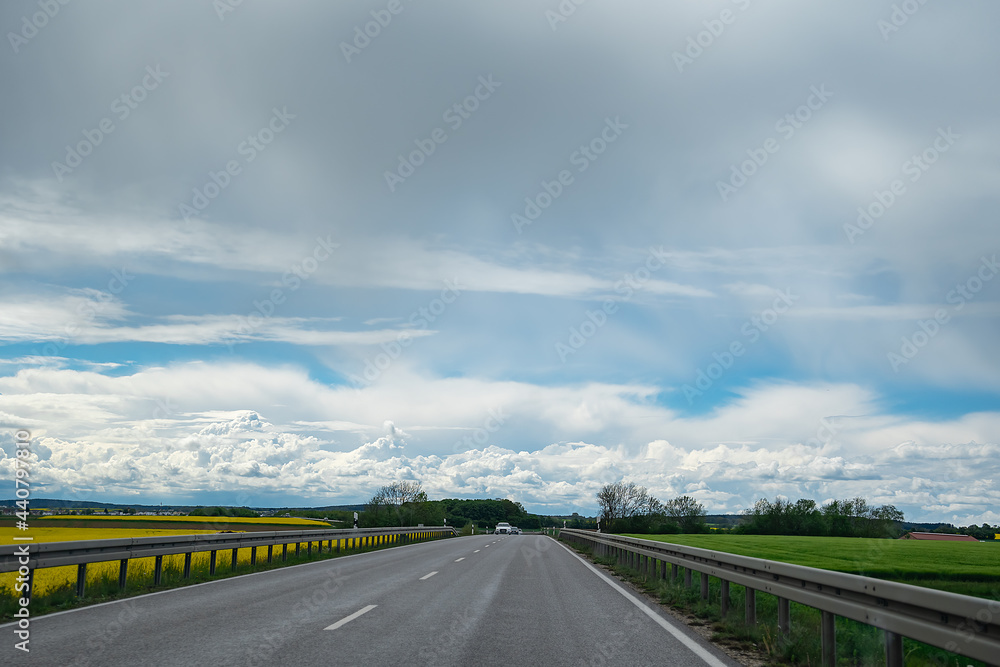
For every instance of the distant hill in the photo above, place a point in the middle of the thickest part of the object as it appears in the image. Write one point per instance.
(57, 503)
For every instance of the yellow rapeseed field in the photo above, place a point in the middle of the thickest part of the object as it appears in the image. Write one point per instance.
(279, 521)
(140, 569)
(54, 577)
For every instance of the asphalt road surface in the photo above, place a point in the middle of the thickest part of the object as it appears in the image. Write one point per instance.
(482, 600)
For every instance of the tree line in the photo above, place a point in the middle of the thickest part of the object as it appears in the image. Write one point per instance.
(626, 507)
(406, 504)
(838, 518)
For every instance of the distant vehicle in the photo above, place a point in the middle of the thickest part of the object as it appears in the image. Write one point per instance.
(503, 528)
(515, 530)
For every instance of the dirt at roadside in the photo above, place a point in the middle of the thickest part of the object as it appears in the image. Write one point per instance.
(741, 652)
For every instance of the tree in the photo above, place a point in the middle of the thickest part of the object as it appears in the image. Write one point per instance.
(687, 513)
(398, 502)
(625, 505)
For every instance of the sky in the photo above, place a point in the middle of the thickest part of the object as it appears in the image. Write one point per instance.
(265, 254)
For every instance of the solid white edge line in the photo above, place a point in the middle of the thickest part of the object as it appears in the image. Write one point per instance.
(680, 636)
(428, 576)
(348, 619)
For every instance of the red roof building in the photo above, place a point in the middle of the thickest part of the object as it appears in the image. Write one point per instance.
(941, 537)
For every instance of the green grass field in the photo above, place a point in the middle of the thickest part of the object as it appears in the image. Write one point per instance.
(970, 568)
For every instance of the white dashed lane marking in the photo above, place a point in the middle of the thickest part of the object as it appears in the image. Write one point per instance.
(348, 619)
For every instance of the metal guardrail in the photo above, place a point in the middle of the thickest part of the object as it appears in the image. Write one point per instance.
(962, 624)
(26, 557)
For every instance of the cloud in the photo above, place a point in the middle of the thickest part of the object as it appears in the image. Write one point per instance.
(88, 316)
(149, 434)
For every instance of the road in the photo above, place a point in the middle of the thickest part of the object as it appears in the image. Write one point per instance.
(482, 600)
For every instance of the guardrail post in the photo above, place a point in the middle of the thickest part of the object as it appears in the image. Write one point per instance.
(309, 548)
(704, 586)
(724, 597)
(211, 563)
(81, 579)
(298, 549)
(122, 573)
(284, 551)
(687, 577)
(784, 616)
(157, 570)
(253, 555)
(232, 565)
(31, 582)
(663, 569)
(187, 565)
(338, 546)
(270, 552)
(750, 606)
(829, 638)
(893, 649)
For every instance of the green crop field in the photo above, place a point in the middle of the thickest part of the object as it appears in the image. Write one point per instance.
(971, 568)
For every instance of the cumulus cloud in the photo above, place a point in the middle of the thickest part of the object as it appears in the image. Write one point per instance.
(109, 435)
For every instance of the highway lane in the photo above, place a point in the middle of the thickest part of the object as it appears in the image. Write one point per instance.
(461, 601)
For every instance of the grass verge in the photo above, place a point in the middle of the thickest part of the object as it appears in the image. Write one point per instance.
(858, 645)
